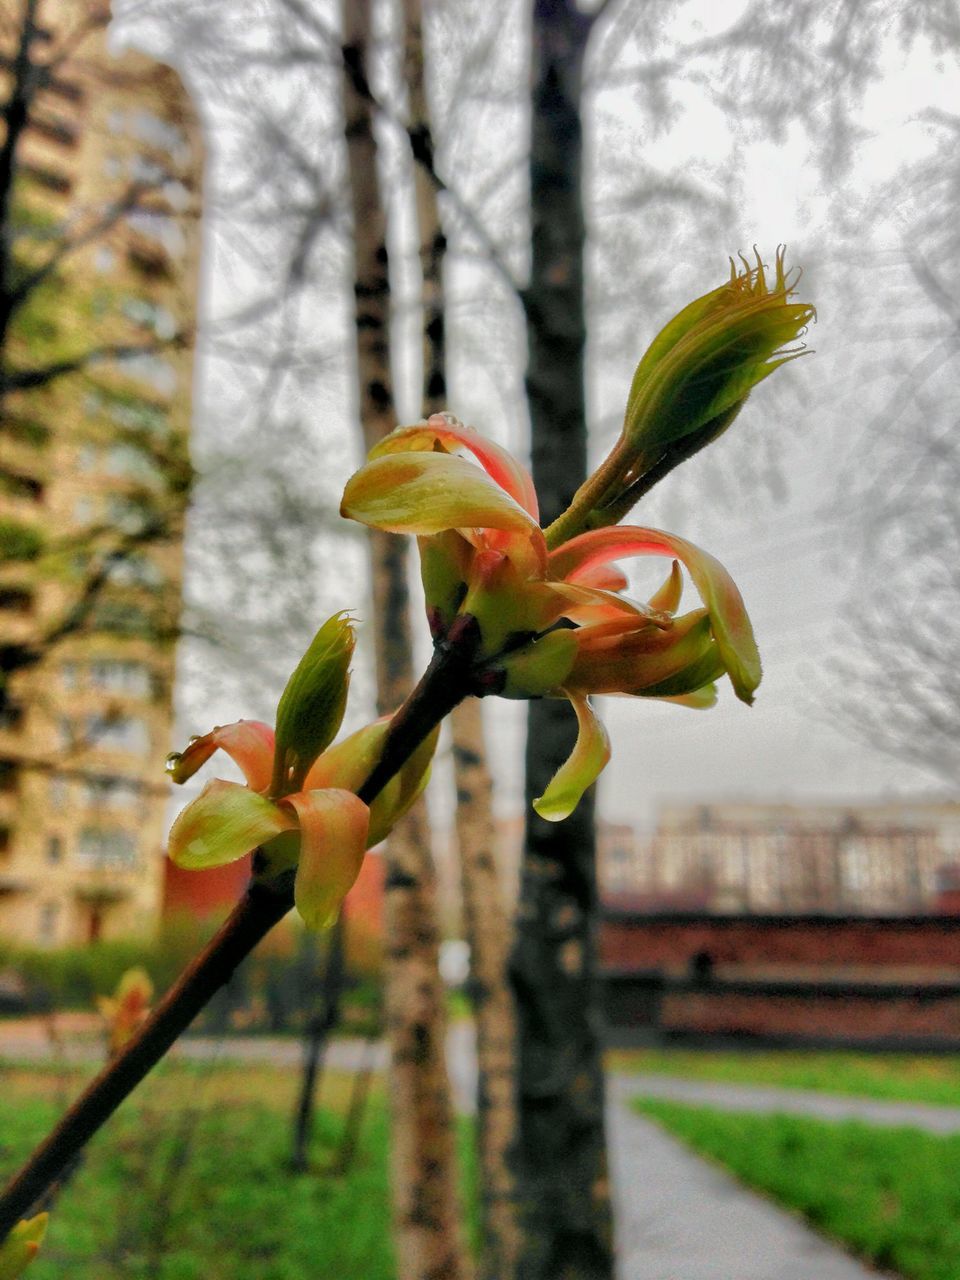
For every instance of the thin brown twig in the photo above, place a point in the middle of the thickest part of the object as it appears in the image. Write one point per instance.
(446, 682)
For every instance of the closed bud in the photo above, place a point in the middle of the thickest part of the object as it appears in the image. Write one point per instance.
(706, 360)
(312, 705)
(21, 1246)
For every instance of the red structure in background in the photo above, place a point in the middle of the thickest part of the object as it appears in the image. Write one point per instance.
(198, 895)
(890, 982)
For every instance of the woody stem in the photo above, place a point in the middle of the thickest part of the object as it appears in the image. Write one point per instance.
(589, 496)
(444, 684)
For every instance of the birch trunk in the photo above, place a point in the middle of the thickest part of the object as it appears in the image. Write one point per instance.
(485, 918)
(561, 1154)
(429, 1242)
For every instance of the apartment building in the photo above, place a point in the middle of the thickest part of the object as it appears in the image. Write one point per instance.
(831, 858)
(94, 473)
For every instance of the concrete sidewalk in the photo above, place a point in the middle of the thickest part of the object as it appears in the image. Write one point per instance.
(680, 1218)
(798, 1102)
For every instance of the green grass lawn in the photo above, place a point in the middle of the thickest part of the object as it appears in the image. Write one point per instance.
(189, 1181)
(890, 1195)
(893, 1076)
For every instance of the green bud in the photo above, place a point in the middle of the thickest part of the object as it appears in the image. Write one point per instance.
(706, 360)
(312, 705)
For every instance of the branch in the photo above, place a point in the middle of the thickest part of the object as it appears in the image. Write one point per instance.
(26, 379)
(129, 200)
(446, 682)
(421, 144)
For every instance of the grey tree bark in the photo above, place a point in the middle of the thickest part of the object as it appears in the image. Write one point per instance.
(486, 925)
(560, 1158)
(424, 1181)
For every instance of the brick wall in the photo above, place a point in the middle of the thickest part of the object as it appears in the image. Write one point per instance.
(863, 981)
(670, 942)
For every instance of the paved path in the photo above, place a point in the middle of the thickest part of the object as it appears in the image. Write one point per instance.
(30, 1041)
(680, 1218)
(805, 1102)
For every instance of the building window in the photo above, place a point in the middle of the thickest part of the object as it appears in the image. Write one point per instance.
(119, 733)
(116, 675)
(17, 485)
(154, 370)
(104, 259)
(177, 195)
(54, 848)
(106, 847)
(11, 715)
(120, 618)
(156, 132)
(47, 926)
(146, 171)
(83, 509)
(16, 600)
(47, 178)
(134, 571)
(159, 228)
(9, 772)
(59, 791)
(127, 411)
(111, 793)
(60, 131)
(6, 836)
(129, 461)
(152, 316)
(87, 456)
(130, 515)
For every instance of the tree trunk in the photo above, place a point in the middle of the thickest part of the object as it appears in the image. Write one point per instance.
(15, 118)
(485, 918)
(424, 1173)
(487, 931)
(561, 1154)
(321, 1025)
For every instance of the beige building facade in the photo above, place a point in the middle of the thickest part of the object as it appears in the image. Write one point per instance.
(832, 858)
(94, 474)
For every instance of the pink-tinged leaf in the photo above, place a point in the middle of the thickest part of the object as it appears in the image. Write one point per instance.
(427, 493)
(349, 762)
(446, 430)
(605, 577)
(668, 596)
(589, 606)
(249, 743)
(333, 839)
(222, 824)
(728, 616)
(19, 1248)
(699, 700)
(584, 766)
(630, 663)
(698, 674)
(402, 790)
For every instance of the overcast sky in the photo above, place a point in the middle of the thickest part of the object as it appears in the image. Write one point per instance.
(784, 539)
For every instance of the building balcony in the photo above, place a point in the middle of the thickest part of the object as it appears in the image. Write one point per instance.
(102, 886)
(12, 883)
